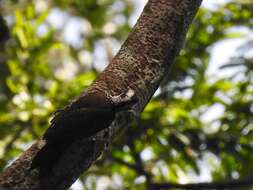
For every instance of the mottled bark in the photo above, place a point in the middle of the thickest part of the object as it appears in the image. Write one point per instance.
(141, 64)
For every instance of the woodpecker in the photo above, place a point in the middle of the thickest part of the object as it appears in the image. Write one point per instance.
(83, 118)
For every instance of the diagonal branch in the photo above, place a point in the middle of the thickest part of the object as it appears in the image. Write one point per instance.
(140, 65)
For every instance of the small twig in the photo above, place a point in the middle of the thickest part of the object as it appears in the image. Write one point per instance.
(131, 166)
(13, 139)
(22, 127)
(139, 163)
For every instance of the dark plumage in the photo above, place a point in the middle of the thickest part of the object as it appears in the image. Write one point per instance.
(81, 119)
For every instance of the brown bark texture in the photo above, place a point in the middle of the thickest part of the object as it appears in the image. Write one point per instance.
(140, 65)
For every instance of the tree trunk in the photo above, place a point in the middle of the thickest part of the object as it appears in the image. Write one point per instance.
(140, 65)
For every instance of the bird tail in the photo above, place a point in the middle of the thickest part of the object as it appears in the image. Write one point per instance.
(46, 159)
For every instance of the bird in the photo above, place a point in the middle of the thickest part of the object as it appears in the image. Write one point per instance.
(83, 118)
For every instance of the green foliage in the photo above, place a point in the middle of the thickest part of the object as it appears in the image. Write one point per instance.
(171, 141)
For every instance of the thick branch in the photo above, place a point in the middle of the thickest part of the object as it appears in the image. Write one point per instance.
(141, 64)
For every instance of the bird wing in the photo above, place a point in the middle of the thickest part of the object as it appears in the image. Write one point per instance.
(66, 127)
(74, 124)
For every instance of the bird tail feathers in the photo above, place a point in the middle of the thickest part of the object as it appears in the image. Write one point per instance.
(46, 158)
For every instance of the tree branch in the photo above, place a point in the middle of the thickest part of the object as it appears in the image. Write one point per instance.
(141, 64)
(230, 184)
